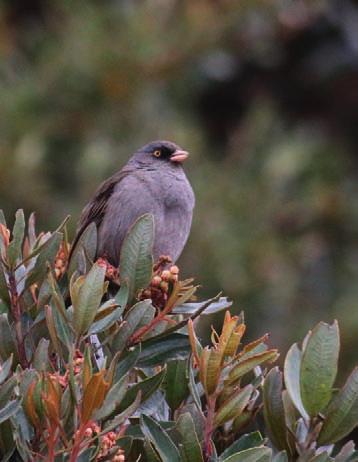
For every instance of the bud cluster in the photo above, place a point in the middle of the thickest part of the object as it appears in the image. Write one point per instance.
(112, 273)
(61, 260)
(106, 444)
(161, 285)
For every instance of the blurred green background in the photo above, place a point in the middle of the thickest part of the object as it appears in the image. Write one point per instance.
(264, 94)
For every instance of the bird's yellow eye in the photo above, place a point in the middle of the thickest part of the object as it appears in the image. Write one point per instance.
(157, 153)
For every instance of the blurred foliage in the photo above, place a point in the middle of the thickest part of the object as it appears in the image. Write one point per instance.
(262, 93)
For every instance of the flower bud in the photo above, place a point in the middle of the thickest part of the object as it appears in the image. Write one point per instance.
(156, 281)
(164, 286)
(174, 270)
(166, 275)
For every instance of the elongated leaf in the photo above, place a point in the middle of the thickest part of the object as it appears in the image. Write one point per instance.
(7, 343)
(9, 410)
(86, 247)
(7, 390)
(323, 457)
(251, 455)
(131, 323)
(15, 247)
(176, 383)
(319, 367)
(94, 395)
(156, 352)
(47, 255)
(150, 452)
(292, 370)
(5, 369)
(146, 388)
(233, 406)
(107, 321)
(41, 359)
(247, 365)
(113, 399)
(89, 299)
(274, 411)
(4, 291)
(342, 412)
(126, 362)
(248, 441)
(190, 448)
(136, 259)
(160, 439)
(280, 457)
(190, 308)
(193, 386)
(347, 453)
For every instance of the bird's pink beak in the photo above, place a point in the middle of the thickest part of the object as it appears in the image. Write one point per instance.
(179, 156)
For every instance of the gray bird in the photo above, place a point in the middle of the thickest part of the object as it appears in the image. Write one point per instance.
(153, 181)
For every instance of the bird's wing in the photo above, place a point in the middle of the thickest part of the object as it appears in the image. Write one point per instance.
(96, 208)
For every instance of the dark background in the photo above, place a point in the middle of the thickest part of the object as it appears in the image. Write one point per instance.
(264, 94)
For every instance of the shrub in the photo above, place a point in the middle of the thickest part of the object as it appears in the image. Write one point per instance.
(101, 363)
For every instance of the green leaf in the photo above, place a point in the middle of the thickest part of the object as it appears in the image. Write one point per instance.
(292, 369)
(342, 412)
(274, 411)
(131, 323)
(86, 248)
(113, 399)
(107, 321)
(159, 351)
(4, 290)
(5, 369)
(41, 360)
(150, 452)
(88, 299)
(248, 441)
(190, 308)
(7, 390)
(347, 453)
(319, 367)
(15, 246)
(190, 448)
(280, 457)
(193, 386)
(247, 365)
(47, 255)
(233, 406)
(147, 387)
(176, 383)
(7, 343)
(86, 455)
(126, 362)
(251, 455)
(9, 410)
(160, 439)
(323, 457)
(136, 261)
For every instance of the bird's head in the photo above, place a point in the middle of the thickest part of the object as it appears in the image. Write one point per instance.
(161, 151)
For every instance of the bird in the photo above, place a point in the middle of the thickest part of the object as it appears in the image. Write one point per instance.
(152, 181)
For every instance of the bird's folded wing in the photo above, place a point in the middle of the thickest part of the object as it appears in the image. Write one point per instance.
(96, 208)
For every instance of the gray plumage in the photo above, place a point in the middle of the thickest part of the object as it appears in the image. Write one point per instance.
(153, 181)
